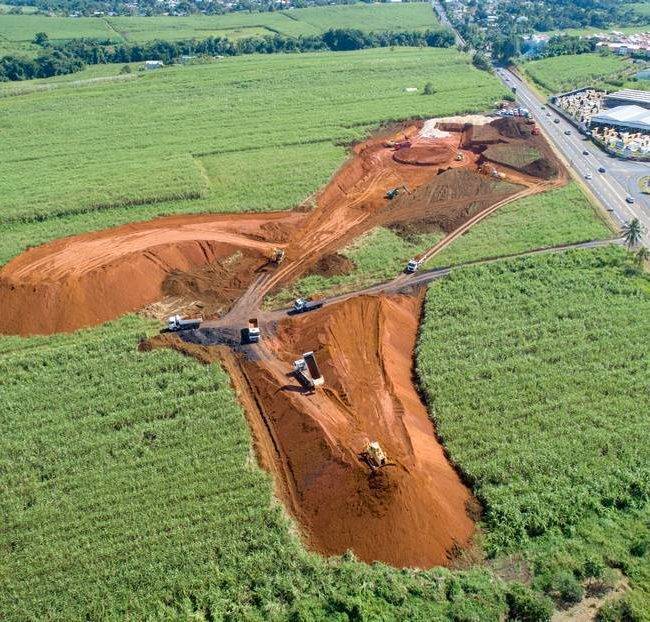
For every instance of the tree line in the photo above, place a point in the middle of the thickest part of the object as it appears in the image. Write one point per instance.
(75, 54)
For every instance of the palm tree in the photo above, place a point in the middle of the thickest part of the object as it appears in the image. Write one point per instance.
(632, 233)
(642, 255)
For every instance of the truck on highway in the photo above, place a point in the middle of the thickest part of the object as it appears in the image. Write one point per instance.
(251, 333)
(176, 323)
(303, 306)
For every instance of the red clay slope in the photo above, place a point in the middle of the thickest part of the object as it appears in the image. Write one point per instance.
(412, 513)
(91, 278)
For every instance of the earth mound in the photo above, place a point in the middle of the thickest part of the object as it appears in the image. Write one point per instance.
(449, 200)
(333, 264)
(424, 155)
(542, 168)
(512, 127)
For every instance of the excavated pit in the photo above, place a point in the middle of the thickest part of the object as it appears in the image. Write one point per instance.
(410, 513)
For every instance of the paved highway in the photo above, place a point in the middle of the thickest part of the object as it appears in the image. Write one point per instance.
(620, 178)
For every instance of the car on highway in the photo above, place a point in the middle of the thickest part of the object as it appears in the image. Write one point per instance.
(548, 114)
(543, 108)
(629, 198)
(567, 132)
(588, 176)
(585, 152)
(601, 169)
(556, 120)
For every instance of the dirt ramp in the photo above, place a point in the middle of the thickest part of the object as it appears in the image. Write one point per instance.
(88, 279)
(410, 513)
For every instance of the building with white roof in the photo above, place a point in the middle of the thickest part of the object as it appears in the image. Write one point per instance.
(632, 117)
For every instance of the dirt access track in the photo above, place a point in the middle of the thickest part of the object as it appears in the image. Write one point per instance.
(414, 511)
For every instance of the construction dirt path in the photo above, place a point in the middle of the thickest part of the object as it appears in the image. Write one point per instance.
(414, 511)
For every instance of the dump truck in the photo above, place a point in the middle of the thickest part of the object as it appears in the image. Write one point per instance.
(412, 266)
(306, 371)
(301, 305)
(312, 367)
(176, 323)
(251, 333)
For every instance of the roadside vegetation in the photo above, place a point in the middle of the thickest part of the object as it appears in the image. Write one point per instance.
(564, 73)
(536, 374)
(234, 114)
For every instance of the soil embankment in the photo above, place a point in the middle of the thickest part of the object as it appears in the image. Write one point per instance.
(212, 264)
(410, 513)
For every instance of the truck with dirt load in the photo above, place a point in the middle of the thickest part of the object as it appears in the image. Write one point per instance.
(251, 333)
(176, 323)
(303, 306)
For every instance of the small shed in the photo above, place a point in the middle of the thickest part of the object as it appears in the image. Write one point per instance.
(153, 64)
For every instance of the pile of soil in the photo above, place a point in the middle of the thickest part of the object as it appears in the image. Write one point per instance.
(425, 154)
(542, 168)
(409, 513)
(512, 127)
(480, 135)
(448, 201)
(333, 264)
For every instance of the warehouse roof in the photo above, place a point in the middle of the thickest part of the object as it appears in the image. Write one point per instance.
(631, 95)
(628, 116)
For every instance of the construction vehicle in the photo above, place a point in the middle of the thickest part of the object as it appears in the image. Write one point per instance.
(393, 192)
(402, 144)
(251, 334)
(412, 266)
(303, 306)
(535, 131)
(374, 455)
(459, 157)
(278, 255)
(306, 371)
(176, 323)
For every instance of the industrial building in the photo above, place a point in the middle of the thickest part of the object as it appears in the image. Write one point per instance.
(633, 118)
(628, 97)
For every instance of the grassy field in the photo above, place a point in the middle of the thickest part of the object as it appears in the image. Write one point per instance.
(167, 141)
(130, 492)
(560, 216)
(642, 8)
(563, 73)
(536, 372)
(309, 21)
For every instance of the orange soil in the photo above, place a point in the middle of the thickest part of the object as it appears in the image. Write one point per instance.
(412, 513)
(426, 154)
(91, 278)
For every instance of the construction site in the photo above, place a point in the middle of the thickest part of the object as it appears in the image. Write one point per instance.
(327, 386)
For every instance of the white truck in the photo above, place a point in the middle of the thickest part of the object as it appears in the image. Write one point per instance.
(412, 266)
(251, 334)
(176, 323)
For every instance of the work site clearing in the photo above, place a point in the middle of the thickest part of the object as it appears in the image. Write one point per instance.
(343, 430)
